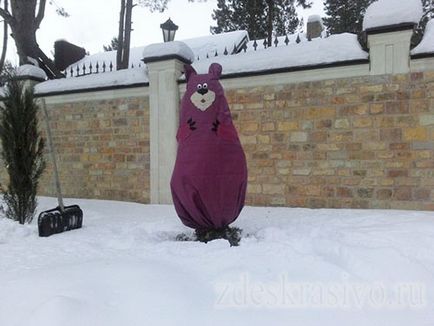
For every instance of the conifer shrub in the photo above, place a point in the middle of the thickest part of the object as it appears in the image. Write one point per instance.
(22, 149)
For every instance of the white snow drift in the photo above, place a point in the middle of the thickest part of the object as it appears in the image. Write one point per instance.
(293, 267)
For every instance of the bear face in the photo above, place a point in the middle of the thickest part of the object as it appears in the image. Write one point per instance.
(203, 90)
(203, 98)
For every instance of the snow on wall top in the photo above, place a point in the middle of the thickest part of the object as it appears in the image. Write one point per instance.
(31, 70)
(175, 48)
(427, 43)
(201, 46)
(115, 78)
(392, 12)
(336, 48)
(209, 45)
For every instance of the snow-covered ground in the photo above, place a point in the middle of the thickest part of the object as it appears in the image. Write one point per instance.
(294, 267)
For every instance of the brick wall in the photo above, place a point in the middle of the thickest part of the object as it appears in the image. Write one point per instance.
(364, 142)
(103, 149)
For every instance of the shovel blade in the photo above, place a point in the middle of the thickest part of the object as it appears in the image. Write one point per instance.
(55, 221)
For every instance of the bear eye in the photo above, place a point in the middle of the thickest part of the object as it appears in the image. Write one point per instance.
(205, 86)
(199, 86)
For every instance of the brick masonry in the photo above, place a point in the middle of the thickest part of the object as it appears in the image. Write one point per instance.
(365, 142)
(103, 149)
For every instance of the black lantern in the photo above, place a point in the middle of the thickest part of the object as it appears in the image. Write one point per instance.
(169, 30)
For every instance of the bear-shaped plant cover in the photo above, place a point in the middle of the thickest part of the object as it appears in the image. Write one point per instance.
(210, 176)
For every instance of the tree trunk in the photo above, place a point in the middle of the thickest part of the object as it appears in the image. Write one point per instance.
(24, 29)
(270, 18)
(120, 50)
(127, 39)
(5, 38)
(24, 22)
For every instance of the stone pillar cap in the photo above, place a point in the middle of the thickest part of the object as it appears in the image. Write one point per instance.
(31, 72)
(166, 51)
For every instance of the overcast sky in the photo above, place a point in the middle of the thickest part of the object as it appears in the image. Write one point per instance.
(93, 23)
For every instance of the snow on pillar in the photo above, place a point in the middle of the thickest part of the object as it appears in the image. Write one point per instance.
(165, 62)
(30, 75)
(389, 25)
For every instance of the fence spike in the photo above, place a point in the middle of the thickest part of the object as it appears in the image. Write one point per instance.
(111, 66)
(226, 51)
(265, 44)
(97, 67)
(286, 39)
(72, 72)
(90, 68)
(84, 69)
(207, 56)
(255, 45)
(298, 40)
(78, 71)
(216, 54)
(276, 41)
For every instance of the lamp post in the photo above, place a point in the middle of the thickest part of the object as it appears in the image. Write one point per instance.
(169, 30)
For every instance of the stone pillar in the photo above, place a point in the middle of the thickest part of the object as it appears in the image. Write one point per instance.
(165, 64)
(389, 49)
(314, 27)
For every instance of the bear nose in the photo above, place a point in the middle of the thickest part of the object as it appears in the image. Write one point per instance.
(202, 91)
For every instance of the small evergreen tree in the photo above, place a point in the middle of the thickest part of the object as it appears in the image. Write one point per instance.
(22, 151)
(345, 15)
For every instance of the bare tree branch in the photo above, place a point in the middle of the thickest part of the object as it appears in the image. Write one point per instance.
(5, 14)
(41, 12)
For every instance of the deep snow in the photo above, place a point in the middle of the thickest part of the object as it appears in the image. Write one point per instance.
(293, 267)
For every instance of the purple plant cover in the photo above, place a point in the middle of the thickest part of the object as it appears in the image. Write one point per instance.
(209, 180)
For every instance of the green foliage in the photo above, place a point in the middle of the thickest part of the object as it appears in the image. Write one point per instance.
(6, 73)
(428, 9)
(345, 15)
(260, 18)
(113, 46)
(22, 151)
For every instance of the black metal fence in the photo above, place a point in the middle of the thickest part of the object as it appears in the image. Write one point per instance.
(89, 68)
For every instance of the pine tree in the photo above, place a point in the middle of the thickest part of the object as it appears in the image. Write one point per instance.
(428, 14)
(22, 151)
(113, 46)
(345, 15)
(261, 18)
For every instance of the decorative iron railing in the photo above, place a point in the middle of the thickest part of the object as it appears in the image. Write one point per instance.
(89, 68)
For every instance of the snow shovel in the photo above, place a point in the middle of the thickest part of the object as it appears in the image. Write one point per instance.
(62, 218)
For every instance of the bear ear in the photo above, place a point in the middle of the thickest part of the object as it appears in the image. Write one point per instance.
(216, 70)
(189, 71)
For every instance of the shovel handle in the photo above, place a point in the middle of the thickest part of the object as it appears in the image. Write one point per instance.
(53, 157)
